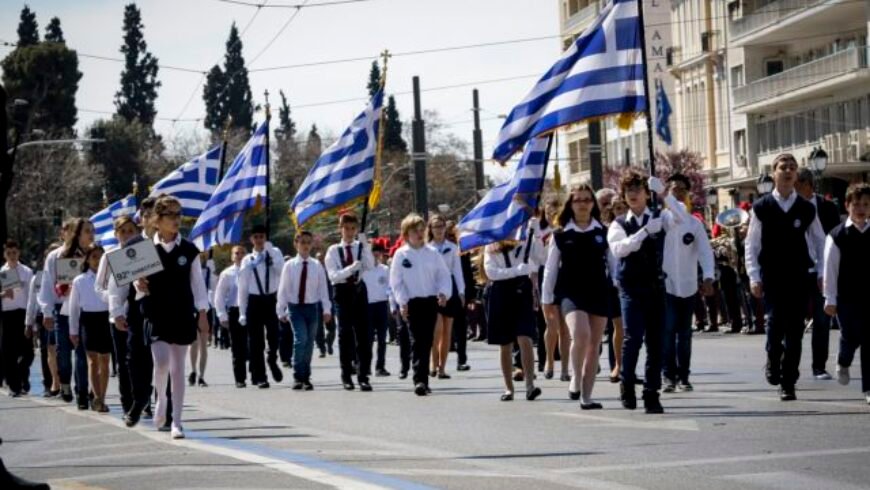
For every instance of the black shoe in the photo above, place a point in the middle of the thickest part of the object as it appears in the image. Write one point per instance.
(83, 403)
(263, 385)
(591, 406)
(297, 386)
(131, 418)
(191, 378)
(277, 374)
(507, 397)
(25, 387)
(420, 389)
(533, 393)
(285, 364)
(329, 350)
(443, 376)
(15, 394)
(403, 375)
(241, 384)
(50, 393)
(772, 374)
(787, 394)
(348, 384)
(149, 414)
(651, 403)
(573, 395)
(381, 372)
(12, 482)
(307, 386)
(202, 383)
(322, 354)
(365, 386)
(66, 396)
(518, 375)
(627, 396)
(463, 367)
(549, 374)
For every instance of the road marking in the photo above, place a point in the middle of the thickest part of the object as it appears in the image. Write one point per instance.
(120, 474)
(659, 424)
(789, 480)
(714, 461)
(857, 406)
(97, 447)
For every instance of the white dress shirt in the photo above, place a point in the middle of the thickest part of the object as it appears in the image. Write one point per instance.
(48, 297)
(337, 272)
(377, 281)
(226, 294)
(248, 281)
(498, 270)
(418, 273)
(681, 259)
(622, 245)
(83, 298)
(449, 252)
(20, 294)
(33, 301)
(316, 289)
(554, 261)
(210, 277)
(815, 237)
(832, 263)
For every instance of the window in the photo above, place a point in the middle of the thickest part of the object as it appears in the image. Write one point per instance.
(800, 131)
(737, 76)
(812, 126)
(574, 157)
(772, 67)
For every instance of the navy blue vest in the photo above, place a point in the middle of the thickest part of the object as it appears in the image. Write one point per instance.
(641, 269)
(584, 262)
(785, 257)
(854, 263)
(170, 307)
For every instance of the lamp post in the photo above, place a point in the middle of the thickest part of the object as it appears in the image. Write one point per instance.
(712, 202)
(818, 161)
(443, 209)
(764, 185)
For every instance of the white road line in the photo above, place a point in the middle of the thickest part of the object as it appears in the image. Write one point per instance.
(715, 461)
(858, 406)
(789, 480)
(97, 447)
(114, 475)
(658, 424)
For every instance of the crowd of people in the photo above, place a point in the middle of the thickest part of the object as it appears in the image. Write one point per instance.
(633, 265)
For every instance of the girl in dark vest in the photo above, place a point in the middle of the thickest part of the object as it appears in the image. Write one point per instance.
(176, 307)
(436, 239)
(577, 272)
(89, 325)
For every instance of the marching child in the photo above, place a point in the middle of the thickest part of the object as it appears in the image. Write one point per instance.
(17, 345)
(436, 239)
(226, 302)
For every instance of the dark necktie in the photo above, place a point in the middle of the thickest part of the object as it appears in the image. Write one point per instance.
(348, 255)
(302, 278)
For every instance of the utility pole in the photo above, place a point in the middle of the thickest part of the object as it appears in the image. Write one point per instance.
(478, 143)
(596, 172)
(418, 155)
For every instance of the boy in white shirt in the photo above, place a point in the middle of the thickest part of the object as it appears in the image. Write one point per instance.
(377, 281)
(17, 347)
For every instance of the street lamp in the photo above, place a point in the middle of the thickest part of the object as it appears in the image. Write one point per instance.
(443, 208)
(713, 198)
(818, 161)
(764, 185)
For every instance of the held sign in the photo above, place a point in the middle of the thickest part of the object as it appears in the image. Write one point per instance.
(133, 262)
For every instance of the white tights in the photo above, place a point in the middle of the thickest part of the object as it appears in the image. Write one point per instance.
(169, 362)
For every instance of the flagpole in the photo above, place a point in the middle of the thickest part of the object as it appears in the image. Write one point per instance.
(529, 231)
(268, 205)
(376, 177)
(647, 112)
(223, 162)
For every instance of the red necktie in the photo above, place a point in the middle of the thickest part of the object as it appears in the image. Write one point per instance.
(348, 254)
(302, 278)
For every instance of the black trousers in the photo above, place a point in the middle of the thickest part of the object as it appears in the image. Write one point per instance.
(125, 384)
(17, 351)
(140, 364)
(403, 333)
(44, 334)
(325, 336)
(422, 315)
(785, 305)
(239, 344)
(821, 336)
(262, 319)
(285, 341)
(354, 334)
(460, 337)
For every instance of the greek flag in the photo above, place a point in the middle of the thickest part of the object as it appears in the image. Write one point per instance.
(501, 214)
(602, 73)
(345, 171)
(103, 221)
(663, 114)
(240, 190)
(192, 183)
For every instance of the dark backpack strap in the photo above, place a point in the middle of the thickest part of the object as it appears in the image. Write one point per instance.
(507, 259)
(257, 277)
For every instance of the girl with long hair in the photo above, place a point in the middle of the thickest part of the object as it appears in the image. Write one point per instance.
(436, 238)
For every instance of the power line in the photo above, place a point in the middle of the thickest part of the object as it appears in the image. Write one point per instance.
(290, 6)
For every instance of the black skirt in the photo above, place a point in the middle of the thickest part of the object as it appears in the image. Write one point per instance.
(96, 331)
(615, 304)
(510, 311)
(453, 308)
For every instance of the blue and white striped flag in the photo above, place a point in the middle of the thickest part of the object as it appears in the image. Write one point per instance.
(501, 214)
(345, 171)
(103, 221)
(601, 74)
(243, 185)
(192, 183)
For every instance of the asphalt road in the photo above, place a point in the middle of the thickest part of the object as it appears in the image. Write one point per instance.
(731, 432)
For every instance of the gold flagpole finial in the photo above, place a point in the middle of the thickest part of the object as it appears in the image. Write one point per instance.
(375, 195)
(227, 124)
(267, 107)
(135, 185)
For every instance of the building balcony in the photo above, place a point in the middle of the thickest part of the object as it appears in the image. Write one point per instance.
(838, 71)
(848, 152)
(581, 19)
(781, 20)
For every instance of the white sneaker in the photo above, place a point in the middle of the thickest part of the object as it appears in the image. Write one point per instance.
(177, 432)
(843, 375)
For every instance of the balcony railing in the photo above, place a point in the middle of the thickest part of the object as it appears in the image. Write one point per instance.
(801, 76)
(582, 16)
(769, 14)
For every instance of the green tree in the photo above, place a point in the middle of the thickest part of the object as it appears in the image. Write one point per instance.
(288, 126)
(215, 110)
(28, 29)
(374, 79)
(125, 154)
(47, 76)
(227, 92)
(393, 141)
(135, 99)
(314, 145)
(53, 32)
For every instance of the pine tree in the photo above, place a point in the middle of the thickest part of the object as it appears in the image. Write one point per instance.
(53, 32)
(393, 140)
(314, 145)
(237, 89)
(374, 79)
(28, 29)
(135, 99)
(288, 126)
(215, 110)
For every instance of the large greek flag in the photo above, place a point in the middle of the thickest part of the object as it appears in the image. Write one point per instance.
(103, 221)
(345, 171)
(501, 214)
(242, 186)
(600, 74)
(192, 183)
